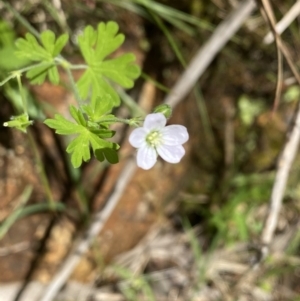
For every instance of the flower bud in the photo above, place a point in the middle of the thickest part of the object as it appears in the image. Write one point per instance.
(164, 109)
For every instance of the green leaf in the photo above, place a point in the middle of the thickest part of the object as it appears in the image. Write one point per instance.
(92, 84)
(60, 44)
(62, 125)
(110, 154)
(95, 46)
(120, 70)
(38, 74)
(89, 136)
(30, 49)
(45, 53)
(53, 75)
(108, 40)
(11, 61)
(78, 116)
(48, 40)
(7, 34)
(100, 108)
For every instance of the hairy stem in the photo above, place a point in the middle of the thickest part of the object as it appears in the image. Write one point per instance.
(24, 102)
(42, 172)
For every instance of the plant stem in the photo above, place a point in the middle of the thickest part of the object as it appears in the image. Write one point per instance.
(73, 86)
(22, 20)
(17, 73)
(7, 79)
(78, 67)
(32, 67)
(22, 93)
(42, 172)
(122, 120)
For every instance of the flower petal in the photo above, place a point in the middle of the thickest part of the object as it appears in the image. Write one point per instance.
(146, 157)
(171, 154)
(155, 121)
(175, 135)
(137, 137)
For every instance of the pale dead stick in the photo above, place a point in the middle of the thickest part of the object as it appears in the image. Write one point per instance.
(284, 165)
(289, 151)
(221, 35)
(195, 69)
(284, 23)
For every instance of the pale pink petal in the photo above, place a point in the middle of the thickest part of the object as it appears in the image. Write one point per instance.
(146, 157)
(137, 137)
(155, 121)
(175, 135)
(171, 154)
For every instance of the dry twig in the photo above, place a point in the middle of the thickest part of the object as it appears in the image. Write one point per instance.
(284, 23)
(289, 151)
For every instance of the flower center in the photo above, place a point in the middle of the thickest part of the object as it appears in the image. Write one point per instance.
(154, 138)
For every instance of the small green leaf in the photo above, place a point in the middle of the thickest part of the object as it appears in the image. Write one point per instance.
(78, 116)
(121, 70)
(100, 108)
(30, 49)
(99, 154)
(90, 83)
(108, 40)
(60, 44)
(48, 40)
(110, 154)
(103, 133)
(53, 75)
(86, 43)
(103, 105)
(38, 74)
(62, 125)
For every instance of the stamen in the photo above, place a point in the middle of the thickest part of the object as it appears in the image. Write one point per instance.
(154, 138)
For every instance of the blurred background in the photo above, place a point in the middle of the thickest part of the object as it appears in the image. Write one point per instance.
(190, 231)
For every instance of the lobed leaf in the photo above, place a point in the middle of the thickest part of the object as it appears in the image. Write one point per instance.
(30, 49)
(45, 53)
(63, 126)
(89, 136)
(92, 83)
(48, 40)
(60, 44)
(95, 46)
(107, 39)
(78, 116)
(121, 70)
(109, 154)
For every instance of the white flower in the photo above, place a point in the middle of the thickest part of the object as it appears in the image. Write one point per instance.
(157, 138)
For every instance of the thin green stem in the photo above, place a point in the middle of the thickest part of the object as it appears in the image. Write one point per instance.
(131, 122)
(73, 86)
(16, 73)
(22, 93)
(130, 103)
(78, 67)
(7, 79)
(42, 171)
(22, 20)
(156, 83)
(33, 66)
(169, 37)
(10, 220)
